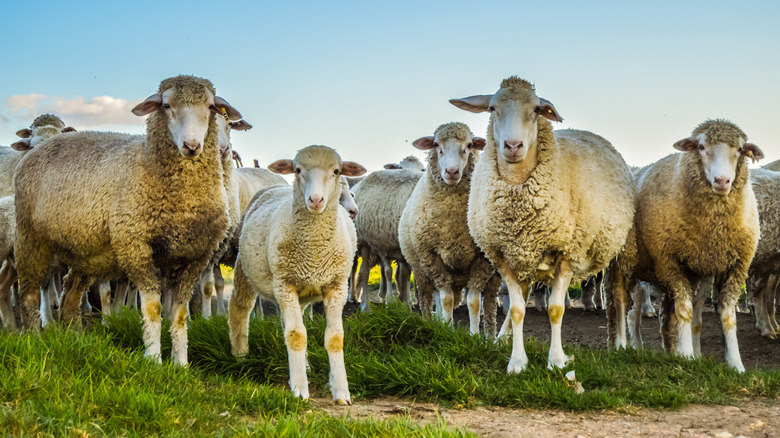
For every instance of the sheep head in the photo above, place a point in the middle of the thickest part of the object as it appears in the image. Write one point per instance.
(514, 112)
(347, 199)
(187, 103)
(453, 145)
(721, 146)
(317, 175)
(43, 127)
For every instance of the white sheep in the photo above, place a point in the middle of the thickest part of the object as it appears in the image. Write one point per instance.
(543, 206)
(296, 246)
(433, 230)
(152, 207)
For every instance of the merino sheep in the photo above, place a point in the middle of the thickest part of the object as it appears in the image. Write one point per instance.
(296, 247)
(152, 207)
(696, 218)
(381, 198)
(544, 206)
(765, 268)
(433, 230)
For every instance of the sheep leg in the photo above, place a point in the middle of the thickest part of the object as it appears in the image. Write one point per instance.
(634, 316)
(7, 279)
(257, 310)
(104, 288)
(702, 290)
(219, 285)
(206, 287)
(351, 280)
(518, 292)
(447, 300)
(403, 274)
(727, 291)
(771, 311)
(667, 321)
(334, 301)
(588, 294)
(568, 301)
(48, 299)
(133, 298)
(75, 286)
(425, 294)
(540, 296)
(599, 296)
(683, 310)
(242, 300)
(295, 338)
(120, 295)
(490, 305)
(167, 303)
(386, 292)
(361, 294)
(32, 265)
(560, 285)
(475, 308)
(184, 279)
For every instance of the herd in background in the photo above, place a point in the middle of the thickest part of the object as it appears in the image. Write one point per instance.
(153, 216)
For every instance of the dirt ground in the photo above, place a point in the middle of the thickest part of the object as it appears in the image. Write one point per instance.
(750, 419)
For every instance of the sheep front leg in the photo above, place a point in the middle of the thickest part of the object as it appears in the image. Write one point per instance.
(728, 292)
(152, 317)
(475, 309)
(517, 297)
(184, 280)
(386, 290)
(447, 301)
(294, 338)
(206, 285)
(219, 285)
(361, 284)
(555, 309)
(104, 289)
(7, 279)
(634, 317)
(242, 301)
(702, 290)
(403, 273)
(334, 344)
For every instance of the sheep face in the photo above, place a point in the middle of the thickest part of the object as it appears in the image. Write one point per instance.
(514, 111)
(317, 171)
(43, 128)
(453, 145)
(224, 126)
(347, 199)
(720, 146)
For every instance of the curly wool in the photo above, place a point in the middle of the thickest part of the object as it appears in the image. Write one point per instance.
(577, 204)
(720, 131)
(766, 186)
(47, 120)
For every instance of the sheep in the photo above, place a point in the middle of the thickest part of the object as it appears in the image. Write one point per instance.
(696, 218)
(774, 166)
(296, 247)
(410, 162)
(765, 268)
(434, 234)
(381, 198)
(7, 273)
(593, 292)
(151, 207)
(251, 180)
(543, 205)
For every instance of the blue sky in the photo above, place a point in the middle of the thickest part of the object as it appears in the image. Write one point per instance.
(368, 78)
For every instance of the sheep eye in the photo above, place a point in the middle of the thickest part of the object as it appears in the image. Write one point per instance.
(166, 106)
(298, 170)
(469, 146)
(538, 109)
(336, 172)
(491, 108)
(701, 147)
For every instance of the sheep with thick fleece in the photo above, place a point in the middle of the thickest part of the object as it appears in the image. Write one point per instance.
(41, 129)
(410, 162)
(7, 273)
(696, 218)
(433, 231)
(765, 268)
(296, 247)
(381, 198)
(544, 206)
(153, 207)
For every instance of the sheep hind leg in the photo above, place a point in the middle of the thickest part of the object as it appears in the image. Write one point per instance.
(104, 288)
(667, 321)
(219, 286)
(588, 294)
(635, 317)
(555, 309)
(7, 279)
(242, 300)
(361, 283)
(599, 295)
(205, 286)
(771, 309)
(403, 274)
(120, 295)
(386, 289)
(702, 289)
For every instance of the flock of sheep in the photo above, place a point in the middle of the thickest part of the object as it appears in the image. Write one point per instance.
(158, 213)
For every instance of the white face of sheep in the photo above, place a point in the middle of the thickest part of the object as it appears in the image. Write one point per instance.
(347, 199)
(453, 154)
(31, 138)
(514, 120)
(318, 183)
(187, 123)
(719, 160)
(224, 126)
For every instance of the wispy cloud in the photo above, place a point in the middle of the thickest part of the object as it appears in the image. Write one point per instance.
(78, 112)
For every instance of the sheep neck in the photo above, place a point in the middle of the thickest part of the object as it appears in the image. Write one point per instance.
(324, 223)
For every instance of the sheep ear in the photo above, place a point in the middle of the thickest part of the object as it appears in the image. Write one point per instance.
(240, 126)
(237, 158)
(257, 163)
(21, 145)
(752, 151)
(24, 133)
(687, 144)
(148, 106)
(478, 143)
(424, 143)
(68, 129)
(351, 168)
(475, 104)
(283, 167)
(221, 104)
(392, 166)
(548, 111)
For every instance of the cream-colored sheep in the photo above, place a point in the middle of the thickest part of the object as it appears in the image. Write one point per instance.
(433, 230)
(296, 247)
(8, 272)
(543, 206)
(410, 162)
(696, 218)
(153, 207)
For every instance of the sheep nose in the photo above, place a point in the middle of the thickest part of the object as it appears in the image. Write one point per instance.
(513, 146)
(722, 181)
(315, 201)
(452, 172)
(352, 213)
(192, 145)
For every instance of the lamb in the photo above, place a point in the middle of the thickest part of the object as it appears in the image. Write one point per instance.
(543, 205)
(151, 207)
(296, 247)
(381, 198)
(765, 268)
(42, 128)
(696, 218)
(433, 230)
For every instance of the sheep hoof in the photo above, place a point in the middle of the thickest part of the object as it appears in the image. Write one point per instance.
(516, 366)
(560, 362)
(342, 402)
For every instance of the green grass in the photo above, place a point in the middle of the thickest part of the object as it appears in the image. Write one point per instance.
(394, 352)
(80, 383)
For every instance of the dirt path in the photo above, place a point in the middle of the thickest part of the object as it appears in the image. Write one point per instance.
(749, 419)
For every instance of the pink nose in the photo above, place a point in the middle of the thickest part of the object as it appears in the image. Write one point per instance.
(315, 201)
(722, 181)
(513, 146)
(452, 172)
(192, 145)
